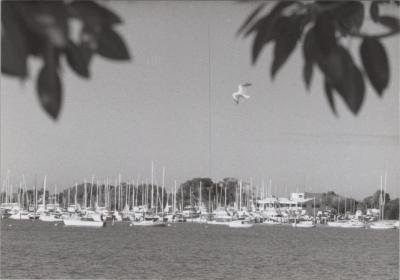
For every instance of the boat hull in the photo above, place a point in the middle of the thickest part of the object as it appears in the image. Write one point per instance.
(49, 219)
(303, 225)
(240, 225)
(381, 226)
(149, 224)
(80, 223)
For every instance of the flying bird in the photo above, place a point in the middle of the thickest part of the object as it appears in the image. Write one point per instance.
(241, 93)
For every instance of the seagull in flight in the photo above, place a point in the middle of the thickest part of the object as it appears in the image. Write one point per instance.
(241, 93)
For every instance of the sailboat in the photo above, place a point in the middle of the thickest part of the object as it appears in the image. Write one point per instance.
(83, 222)
(240, 224)
(381, 224)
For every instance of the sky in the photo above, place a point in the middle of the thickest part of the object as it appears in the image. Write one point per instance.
(157, 108)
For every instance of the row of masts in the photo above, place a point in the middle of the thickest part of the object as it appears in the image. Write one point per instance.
(140, 193)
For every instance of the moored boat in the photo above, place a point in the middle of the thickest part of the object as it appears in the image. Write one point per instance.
(149, 222)
(240, 224)
(271, 222)
(79, 222)
(381, 225)
(303, 224)
(353, 224)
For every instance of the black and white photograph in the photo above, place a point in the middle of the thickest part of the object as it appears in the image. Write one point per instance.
(200, 139)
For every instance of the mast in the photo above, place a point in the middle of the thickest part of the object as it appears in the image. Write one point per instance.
(35, 195)
(162, 192)
(119, 193)
(314, 209)
(200, 196)
(225, 193)
(76, 195)
(174, 204)
(152, 184)
(91, 192)
(44, 192)
(97, 193)
(115, 195)
(85, 193)
(240, 195)
(182, 197)
(133, 193)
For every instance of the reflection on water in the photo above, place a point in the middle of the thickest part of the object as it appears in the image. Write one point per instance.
(42, 250)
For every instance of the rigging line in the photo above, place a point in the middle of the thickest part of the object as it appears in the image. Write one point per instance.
(209, 106)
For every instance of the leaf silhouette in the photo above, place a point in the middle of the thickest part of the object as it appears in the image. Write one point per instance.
(329, 95)
(93, 14)
(77, 60)
(49, 90)
(344, 76)
(390, 22)
(349, 16)
(111, 45)
(308, 54)
(250, 18)
(376, 64)
(270, 17)
(325, 33)
(288, 33)
(14, 51)
(374, 11)
(265, 35)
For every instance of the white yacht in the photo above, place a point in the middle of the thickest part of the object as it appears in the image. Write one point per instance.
(149, 221)
(50, 217)
(353, 224)
(240, 224)
(77, 221)
(221, 217)
(20, 215)
(381, 225)
(304, 224)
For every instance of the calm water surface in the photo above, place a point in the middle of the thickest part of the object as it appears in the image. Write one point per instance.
(188, 251)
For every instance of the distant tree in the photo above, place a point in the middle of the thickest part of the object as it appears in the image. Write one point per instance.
(43, 29)
(392, 210)
(322, 27)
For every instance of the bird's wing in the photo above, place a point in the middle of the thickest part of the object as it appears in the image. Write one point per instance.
(245, 85)
(246, 96)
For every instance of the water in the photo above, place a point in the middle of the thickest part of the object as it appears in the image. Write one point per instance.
(189, 251)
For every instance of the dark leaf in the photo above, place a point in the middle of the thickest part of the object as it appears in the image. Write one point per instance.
(273, 15)
(288, 33)
(14, 52)
(94, 14)
(349, 16)
(354, 91)
(265, 35)
(376, 64)
(46, 20)
(78, 58)
(344, 76)
(329, 96)
(325, 33)
(374, 11)
(250, 18)
(49, 90)
(308, 53)
(111, 45)
(390, 22)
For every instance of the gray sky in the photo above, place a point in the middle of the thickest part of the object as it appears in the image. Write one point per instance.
(156, 108)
